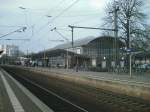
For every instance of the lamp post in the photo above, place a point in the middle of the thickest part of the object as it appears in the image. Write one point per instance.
(129, 45)
(131, 55)
(23, 8)
(25, 13)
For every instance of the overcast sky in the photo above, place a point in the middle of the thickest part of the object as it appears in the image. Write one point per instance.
(34, 17)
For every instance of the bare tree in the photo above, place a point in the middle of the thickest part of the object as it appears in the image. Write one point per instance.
(131, 22)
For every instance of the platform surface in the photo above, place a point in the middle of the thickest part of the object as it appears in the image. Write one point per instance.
(14, 97)
(136, 79)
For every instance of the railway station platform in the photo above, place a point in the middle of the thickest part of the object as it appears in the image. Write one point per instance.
(137, 86)
(95, 88)
(136, 79)
(14, 97)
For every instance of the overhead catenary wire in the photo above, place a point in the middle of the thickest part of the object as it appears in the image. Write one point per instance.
(61, 13)
(43, 35)
(84, 20)
(81, 15)
(18, 30)
(25, 39)
(64, 37)
(9, 26)
(55, 7)
(54, 18)
(33, 25)
(42, 27)
(48, 12)
(64, 28)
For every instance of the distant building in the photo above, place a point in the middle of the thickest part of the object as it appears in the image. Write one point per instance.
(87, 52)
(142, 58)
(10, 50)
(97, 49)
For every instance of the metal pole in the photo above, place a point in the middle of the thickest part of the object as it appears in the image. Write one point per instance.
(27, 53)
(72, 40)
(130, 65)
(130, 57)
(72, 29)
(27, 59)
(91, 28)
(67, 60)
(72, 37)
(44, 58)
(116, 9)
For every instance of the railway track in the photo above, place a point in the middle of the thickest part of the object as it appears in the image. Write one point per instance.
(54, 101)
(109, 102)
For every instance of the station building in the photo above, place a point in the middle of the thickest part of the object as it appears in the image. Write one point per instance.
(87, 52)
(142, 58)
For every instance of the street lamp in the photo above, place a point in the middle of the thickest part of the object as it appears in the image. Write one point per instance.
(25, 13)
(48, 16)
(22, 8)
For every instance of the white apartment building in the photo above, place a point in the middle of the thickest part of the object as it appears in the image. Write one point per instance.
(10, 50)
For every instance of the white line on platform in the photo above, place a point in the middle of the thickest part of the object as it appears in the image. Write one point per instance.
(14, 101)
(37, 102)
